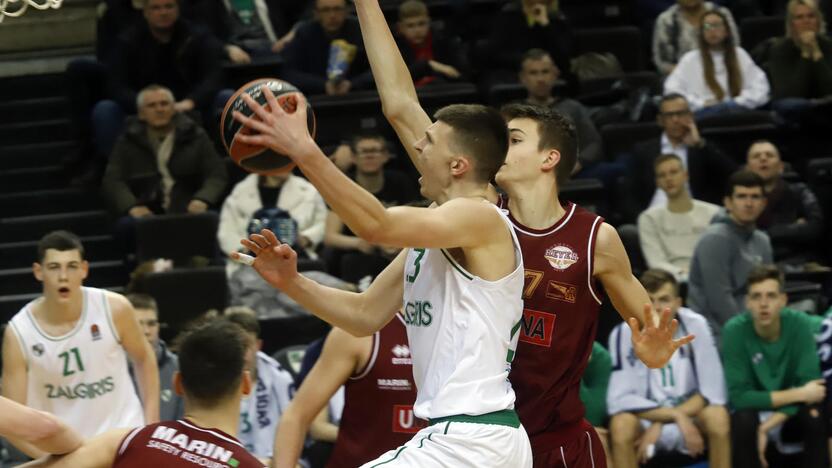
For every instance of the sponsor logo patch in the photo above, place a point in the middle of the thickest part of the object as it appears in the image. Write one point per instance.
(562, 291)
(404, 421)
(561, 256)
(537, 327)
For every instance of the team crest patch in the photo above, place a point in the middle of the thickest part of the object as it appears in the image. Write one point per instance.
(561, 257)
(37, 349)
(95, 332)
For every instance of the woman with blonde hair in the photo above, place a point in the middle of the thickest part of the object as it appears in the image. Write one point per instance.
(718, 77)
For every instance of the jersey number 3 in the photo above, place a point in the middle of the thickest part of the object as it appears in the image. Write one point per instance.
(67, 357)
(416, 263)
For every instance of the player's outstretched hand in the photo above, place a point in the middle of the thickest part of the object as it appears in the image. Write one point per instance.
(655, 345)
(284, 132)
(276, 262)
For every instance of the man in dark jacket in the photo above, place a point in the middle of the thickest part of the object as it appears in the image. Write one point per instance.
(171, 406)
(163, 163)
(793, 217)
(327, 55)
(163, 49)
(708, 167)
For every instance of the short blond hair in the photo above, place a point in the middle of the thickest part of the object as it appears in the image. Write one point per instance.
(412, 9)
(809, 3)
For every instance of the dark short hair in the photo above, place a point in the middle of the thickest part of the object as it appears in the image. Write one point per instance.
(556, 132)
(672, 97)
(667, 157)
(535, 54)
(479, 132)
(143, 301)
(367, 136)
(764, 272)
(744, 178)
(243, 316)
(412, 9)
(212, 359)
(654, 278)
(61, 241)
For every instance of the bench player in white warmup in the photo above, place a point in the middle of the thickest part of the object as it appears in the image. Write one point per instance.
(66, 352)
(459, 280)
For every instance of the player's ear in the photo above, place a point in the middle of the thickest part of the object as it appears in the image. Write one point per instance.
(37, 270)
(85, 269)
(551, 159)
(259, 344)
(460, 165)
(177, 384)
(245, 383)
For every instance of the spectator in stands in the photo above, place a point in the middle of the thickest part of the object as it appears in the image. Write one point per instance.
(678, 408)
(538, 74)
(718, 77)
(708, 168)
(431, 55)
(799, 66)
(354, 258)
(593, 393)
(260, 411)
(248, 29)
(171, 405)
(163, 163)
(773, 375)
(528, 24)
(793, 217)
(288, 192)
(327, 55)
(676, 31)
(668, 233)
(163, 49)
(728, 250)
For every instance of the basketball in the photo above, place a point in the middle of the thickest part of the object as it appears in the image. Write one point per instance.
(252, 158)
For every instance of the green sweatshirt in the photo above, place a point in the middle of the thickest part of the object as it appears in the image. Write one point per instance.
(594, 385)
(754, 368)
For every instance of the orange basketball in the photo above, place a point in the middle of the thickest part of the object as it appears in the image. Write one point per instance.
(259, 159)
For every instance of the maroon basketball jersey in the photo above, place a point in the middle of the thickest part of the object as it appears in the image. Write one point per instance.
(182, 444)
(560, 316)
(378, 402)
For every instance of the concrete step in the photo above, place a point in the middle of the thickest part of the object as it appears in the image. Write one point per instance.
(32, 178)
(27, 228)
(48, 201)
(31, 155)
(22, 254)
(22, 280)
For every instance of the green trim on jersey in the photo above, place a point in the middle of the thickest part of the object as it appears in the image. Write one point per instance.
(456, 265)
(501, 418)
(388, 461)
(70, 333)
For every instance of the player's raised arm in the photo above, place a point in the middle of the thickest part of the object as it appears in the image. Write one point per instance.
(395, 85)
(653, 339)
(360, 314)
(338, 361)
(98, 452)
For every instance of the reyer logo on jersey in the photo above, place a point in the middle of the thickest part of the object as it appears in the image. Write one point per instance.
(561, 257)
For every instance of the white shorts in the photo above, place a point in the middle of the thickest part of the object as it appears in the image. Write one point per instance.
(461, 444)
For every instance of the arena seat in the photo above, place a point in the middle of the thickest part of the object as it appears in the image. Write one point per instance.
(177, 237)
(623, 41)
(184, 294)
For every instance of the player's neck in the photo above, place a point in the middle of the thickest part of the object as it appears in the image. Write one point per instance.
(54, 311)
(225, 416)
(770, 332)
(536, 205)
(464, 189)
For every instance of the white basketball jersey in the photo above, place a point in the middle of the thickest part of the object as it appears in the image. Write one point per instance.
(260, 411)
(82, 376)
(463, 332)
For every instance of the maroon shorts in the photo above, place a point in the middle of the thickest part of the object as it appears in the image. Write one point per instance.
(574, 446)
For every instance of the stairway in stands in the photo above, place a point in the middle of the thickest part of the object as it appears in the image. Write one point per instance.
(35, 195)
